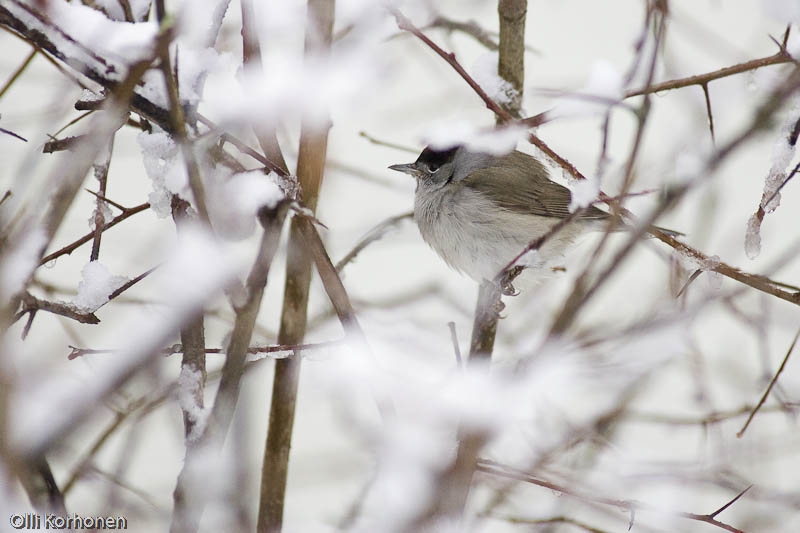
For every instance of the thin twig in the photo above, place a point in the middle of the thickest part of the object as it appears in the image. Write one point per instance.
(470, 28)
(769, 387)
(18, 72)
(491, 467)
(372, 235)
(66, 250)
(100, 169)
(31, 303)
(781, 56)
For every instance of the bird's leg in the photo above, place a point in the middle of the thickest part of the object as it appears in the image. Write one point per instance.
(507, 278)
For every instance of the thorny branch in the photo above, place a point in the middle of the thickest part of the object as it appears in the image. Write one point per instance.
(66, 250)
(769, 387)
(631, 506)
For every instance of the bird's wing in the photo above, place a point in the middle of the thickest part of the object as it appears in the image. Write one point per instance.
(518, 182)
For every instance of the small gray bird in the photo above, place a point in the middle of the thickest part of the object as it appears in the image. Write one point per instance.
(478, 211)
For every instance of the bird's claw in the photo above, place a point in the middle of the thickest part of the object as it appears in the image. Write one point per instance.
(506, 286)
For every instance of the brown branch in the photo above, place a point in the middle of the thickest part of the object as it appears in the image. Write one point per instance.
(193, 362)
(550, 521)
(769, 387)
(295, 349)
(511, 63)
(471, 28)
(12, 134)
(66, 250)
(310, 169)
(99, 72)
(778, 58)
(189, 495)
(631, 506)
(406, 25)
(13, 78)
(179, 126)
(265, 133)
(32, 304)
(712, 418)
(59, 145)
(101, 174)
(372, 235)
(387, 144)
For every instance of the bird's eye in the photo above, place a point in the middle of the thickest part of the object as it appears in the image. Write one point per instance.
(433, 168)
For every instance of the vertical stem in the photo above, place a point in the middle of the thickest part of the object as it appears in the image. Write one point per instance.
(310, 166)
(484, 325)
(511, 65)
(193, 363)
(251, 52)
(458, 479)
(100, 169)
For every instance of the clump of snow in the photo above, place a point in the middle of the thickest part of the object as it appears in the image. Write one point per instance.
(752, 237)
(20, 259)
(91, 96)
(103, 211)
(126, 41)
(446, 134)
(139, 8)
(96, 286)
(605, 80)
(234, 201)
(164, 166)
(195, 65)
(197, 270)
(290, 84)
(190, 388)
(563, 389)
(604, 88)
(484, 71)
(584, 192)
(782, 154)
(713, 279)
(152, 87)
(198, 22)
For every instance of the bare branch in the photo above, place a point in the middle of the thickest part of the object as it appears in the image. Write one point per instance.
(769, 387)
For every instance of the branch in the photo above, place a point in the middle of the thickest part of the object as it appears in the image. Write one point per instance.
(312, 153)
(265, 133)
(193, 363)
(782, 56)
(66, 250)
(470, 28)
(769, 387)
(190, 498)
(179, 125)
(100, 169)
(376, 233)
(490, 467)
(32, 304)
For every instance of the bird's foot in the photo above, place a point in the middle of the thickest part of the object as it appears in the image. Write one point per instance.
(506, 286)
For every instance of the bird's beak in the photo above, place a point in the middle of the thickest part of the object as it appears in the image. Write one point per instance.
(407, 168)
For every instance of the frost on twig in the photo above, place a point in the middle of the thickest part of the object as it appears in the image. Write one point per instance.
(782, 154)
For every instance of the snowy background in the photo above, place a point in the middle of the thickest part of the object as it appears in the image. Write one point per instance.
(622, 408)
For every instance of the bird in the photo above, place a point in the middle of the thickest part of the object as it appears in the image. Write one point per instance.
(479, 211)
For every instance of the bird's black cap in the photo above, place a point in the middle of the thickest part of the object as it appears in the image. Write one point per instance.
(437, 157)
